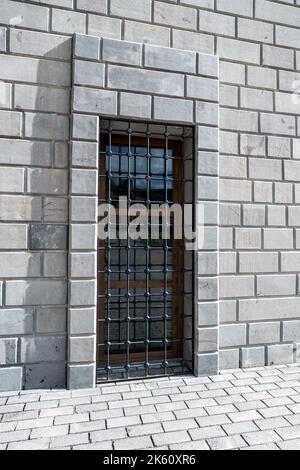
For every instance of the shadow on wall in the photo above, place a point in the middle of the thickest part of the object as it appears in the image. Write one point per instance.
(47, 123)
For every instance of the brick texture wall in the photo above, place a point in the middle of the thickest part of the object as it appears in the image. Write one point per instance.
(258, 42)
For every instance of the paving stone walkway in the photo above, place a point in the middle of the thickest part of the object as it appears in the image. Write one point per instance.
(250, 409)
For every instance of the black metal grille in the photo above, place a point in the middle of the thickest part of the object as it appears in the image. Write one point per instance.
(145, 285)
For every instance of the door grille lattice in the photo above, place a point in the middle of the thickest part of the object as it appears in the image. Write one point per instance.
(145, 284)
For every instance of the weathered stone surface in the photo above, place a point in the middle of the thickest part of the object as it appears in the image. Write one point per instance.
(48, 237)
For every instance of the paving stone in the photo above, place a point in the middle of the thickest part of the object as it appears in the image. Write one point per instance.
(35, 423)
(263, 447)
(157, 417)
(220, 409)
(289, 445)
(125, 421)
(64, 410)
(262, 437)
(272, 423)
(244, 416)
(203, 403)
(145, 429)
(6, 427)
(134, 443)
(190, 413)
(226, 443)
(14, 436)
(98, 446)
(92, 407)
(294, 408)
(195, 445)
(75, 401)
(19, 416)
(294, 419)
(288, 433)
(11, 408)
(283, 392)
(69, 440)
(76, 418)
(281, 401)
(109, 434)
(138, 410)
(35, 444)
(87, 426)
(276, 411)
(171, 406)
(250, 405)
(169, 438)
(98, 415)
(212, 420)
(148, 401)
(240, 428)
(41, 405)
(180, 425)
(103, 398)
(207, 433)
(51, 431)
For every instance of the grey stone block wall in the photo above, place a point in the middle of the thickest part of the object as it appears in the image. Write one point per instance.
(258, 43)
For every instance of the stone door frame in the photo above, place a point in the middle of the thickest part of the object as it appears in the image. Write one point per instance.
(122, 80)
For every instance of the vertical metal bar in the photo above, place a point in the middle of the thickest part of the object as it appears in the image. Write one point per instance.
(127, 367)
(193, 257)
(108, 258)
(166, 246)
(148, 251)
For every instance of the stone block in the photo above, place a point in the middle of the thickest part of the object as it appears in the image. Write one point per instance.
(67, 21)
(83, 293)
(85, 127)
(170, 59)
(263, 333)
(122, 52)
(147, 81)
(170, 109)
(135, 9)
(35, 43)
(45, 376)
(248, 238)
(48, 237)
(134, 105)
(82, 321)
(16, 321)
(232, 335)
(82, 349)
(8, 351)
(86, 47)
(89, 73)
(89, 100)
(43, 349)
(81, 376)
(175, 15)
(51, 320)
(44, 181)
(253, 357)
(20, 208)
(280, 354)
(83, 265)
(83, 237)
(11, 379)
(84, 182)
(10, 124)
(36, 292)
